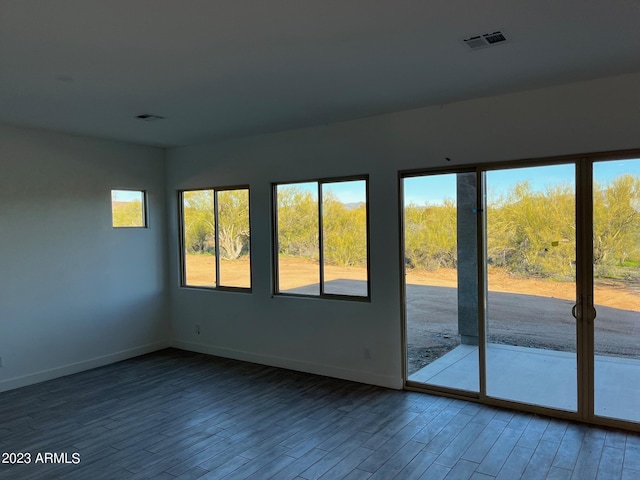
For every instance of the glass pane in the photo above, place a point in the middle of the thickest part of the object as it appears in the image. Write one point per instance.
(616, 261)
(344, 236)
(199, 238)
(297, 234)
(530, 241)
(233, 238)
(441, 275)
(127, 208)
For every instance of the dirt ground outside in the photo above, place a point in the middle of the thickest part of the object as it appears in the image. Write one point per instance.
(522, 311)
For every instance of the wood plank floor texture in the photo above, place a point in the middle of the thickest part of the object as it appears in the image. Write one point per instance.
(181, 415)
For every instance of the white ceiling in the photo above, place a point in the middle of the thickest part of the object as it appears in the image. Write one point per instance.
(226, 68)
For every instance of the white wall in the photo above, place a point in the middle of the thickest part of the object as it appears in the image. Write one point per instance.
(74, 292)
(329, 337)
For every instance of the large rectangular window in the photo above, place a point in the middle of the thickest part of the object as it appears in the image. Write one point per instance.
(216, 238)
(321, 238)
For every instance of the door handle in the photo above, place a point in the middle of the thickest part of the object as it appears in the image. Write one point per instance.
(574, 311)
(592, 306)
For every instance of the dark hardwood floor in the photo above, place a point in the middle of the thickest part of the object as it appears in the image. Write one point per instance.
(176, 414)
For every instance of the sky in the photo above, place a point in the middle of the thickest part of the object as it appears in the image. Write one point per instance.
(346, 192)
(435, 188)
(125, 195)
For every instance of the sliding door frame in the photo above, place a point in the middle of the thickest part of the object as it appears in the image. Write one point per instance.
(408, 384)
(584, 306)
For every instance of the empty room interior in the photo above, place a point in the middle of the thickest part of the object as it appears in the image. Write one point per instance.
(319, 239)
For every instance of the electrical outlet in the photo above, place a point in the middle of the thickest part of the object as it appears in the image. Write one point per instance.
(367, 354)
(0, 361)
(197, 329)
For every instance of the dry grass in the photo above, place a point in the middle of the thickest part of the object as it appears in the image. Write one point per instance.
(298, 272)
(201, 271)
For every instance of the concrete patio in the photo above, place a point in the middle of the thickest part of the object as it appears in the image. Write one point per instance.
(540, 377)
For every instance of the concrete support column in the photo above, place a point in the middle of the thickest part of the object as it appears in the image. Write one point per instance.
(467, 259)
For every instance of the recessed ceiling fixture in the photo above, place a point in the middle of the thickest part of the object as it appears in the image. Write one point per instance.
(148, 117)
(485, 40)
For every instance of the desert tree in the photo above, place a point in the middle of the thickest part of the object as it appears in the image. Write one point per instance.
(199, 221)
(616, 223)
(233, 223)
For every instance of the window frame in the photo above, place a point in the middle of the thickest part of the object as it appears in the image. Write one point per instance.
(145, 208)
(182, 242)
(321, 264)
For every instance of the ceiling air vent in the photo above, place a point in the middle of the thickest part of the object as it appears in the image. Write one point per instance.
(485, 40)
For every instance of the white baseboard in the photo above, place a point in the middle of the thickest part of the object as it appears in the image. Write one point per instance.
(30, 379)
(291, 364)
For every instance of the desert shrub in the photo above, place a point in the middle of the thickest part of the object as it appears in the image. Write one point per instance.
(431, 235)
(344, 232)
(532, 233)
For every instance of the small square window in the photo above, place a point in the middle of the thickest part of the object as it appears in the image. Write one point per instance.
(128, 208)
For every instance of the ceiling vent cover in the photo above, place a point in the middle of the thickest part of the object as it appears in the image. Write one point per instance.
(485, 40)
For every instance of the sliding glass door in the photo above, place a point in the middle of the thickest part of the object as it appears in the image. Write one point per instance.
(441, 273)
(530, 272)
(522, 285)
(616, 288)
